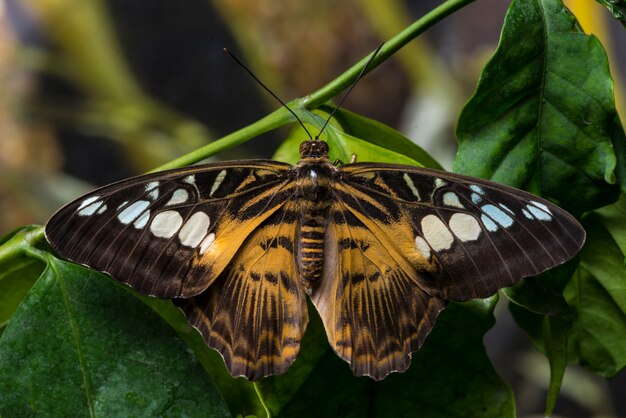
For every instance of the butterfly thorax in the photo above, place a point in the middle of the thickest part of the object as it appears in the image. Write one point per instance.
(314, 174)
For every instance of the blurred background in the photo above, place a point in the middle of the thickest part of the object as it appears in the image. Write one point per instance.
(93, 91)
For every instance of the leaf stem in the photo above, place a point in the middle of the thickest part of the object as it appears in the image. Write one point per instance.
(22, 243)
(281, 116)
(257, 389)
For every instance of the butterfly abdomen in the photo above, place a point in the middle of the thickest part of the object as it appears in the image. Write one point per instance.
(313, 178)
(310, 256)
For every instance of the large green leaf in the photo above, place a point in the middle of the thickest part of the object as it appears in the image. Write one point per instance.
(450, 376)
(542, 114)
(80, 345)
(598, 294)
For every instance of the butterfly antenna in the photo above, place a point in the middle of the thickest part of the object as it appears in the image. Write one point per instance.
(268, 90)
(356, 80)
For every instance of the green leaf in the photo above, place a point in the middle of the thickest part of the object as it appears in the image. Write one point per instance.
(238, 393)
(351, 134)
(613, 217)
(449, 376)
(17, 276)
(382, 135)
(556, 334)
(80, 345)
(543, 294)
(597, 293)
(18, 272)
(542, 114)
(551, 334)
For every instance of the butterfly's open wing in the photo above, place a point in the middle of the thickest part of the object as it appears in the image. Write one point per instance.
(374, 313)
(459, 237)
(254, 314)
(170, 234)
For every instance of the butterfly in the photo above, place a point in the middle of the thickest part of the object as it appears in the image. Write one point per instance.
(378, 248)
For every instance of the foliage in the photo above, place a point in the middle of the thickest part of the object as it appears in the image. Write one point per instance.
(542, 118)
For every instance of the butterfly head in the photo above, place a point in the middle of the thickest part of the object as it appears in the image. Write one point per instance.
(313, 149)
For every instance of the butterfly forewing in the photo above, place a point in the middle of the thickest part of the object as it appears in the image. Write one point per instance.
(170, 234)
(466, 237)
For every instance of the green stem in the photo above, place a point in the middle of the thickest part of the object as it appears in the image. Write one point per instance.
(257, 389)
(277, 118)
(281, 116)
(22, 243)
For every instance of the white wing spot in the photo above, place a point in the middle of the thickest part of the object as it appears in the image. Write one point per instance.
(142, 220)
(93, 206)
(476, 199)
(451, 199)
(439, 183)
(465, 227)
(498, 215)
(88, 202)
(528, 214)
(191, 179)
(477, 189)
(541, 211)
(132, 212)
(541, 206)
(194, 230)
(489, 224)
(218, 180)
(206, 243)
(422, 247)
(166, 224)
(152, 190)
(409, 182)
(539, 214)
(506, 208)
(179, 196)
(436, 233)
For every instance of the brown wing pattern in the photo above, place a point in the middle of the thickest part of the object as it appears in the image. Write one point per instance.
(374, 312)
(465, 236)
(255, 313)
(170, 234)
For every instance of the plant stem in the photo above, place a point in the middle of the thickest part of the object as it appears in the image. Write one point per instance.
(281, 116)
(276, 119)
(22, 242)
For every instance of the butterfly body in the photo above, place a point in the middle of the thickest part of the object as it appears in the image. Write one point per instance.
(315, 175)
(379, 249)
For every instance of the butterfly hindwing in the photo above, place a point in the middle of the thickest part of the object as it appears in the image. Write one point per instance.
(255, 313)
(375, 314)
(170, 234)
(471, 236)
